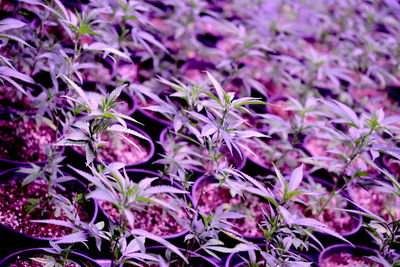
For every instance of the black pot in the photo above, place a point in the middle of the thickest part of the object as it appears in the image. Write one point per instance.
(225, 238)
(137, 175)
(17, 240)
(14, 162)
(194, 258)
(81, 259)
(238, 161)
(352, 235)
(358, 251)
(236, 259)
(77, 157)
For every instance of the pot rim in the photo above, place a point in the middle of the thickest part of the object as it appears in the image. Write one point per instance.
(92, 220)
(146, 159)
(14, 254)
(135, 170)
(195, 201)
(191, 252)
(243, 159)
(327, 250)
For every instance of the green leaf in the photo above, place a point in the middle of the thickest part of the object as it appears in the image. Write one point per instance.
(15, 38)
(213, 97)
(188, 138)
(80, 92)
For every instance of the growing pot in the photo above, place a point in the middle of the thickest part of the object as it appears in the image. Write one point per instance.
(195, 259)
(238, 161)
(125, 103)
(119, 150)
(17, 257)
(150, 119)
(375, 199)
(346, 224)
(15, 225)
(237, 259)
(214, 197)
(273, 151)
(23, 142)
(345, 255)
(151, 218)
(103, 73)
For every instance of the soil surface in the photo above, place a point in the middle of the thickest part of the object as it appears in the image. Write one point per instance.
(213, 197)
(24, 142)
(340, 222)
(123, 107)
(8, 100)
(128, 72)
(274, 152)
(32, 263)
(13, 200)
(344, 259)
(118, 149)
(152, 218)
(377, 202)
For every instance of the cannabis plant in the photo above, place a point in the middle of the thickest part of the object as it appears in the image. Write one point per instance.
(385, 233)
(360, 138)
(282, 228)
(54, 177)
(99, 118)
(114, 186)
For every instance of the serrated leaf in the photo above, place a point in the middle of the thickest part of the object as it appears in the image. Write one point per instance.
(220, 92)
(295, 178)
(15, 38)
(163, 189)
(160, 240)
(10, 23)
(4, 70)
(79, 90)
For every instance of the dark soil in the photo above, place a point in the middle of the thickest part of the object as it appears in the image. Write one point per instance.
(152, 218)
(32, 263)
(24, 141)
(14, 198)
(213, 197)
(128, 72)
(273, 152)
(339, 221)
(12, 100)
(13, 103)
(346, 259)
(118, 149)
(377, 202)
